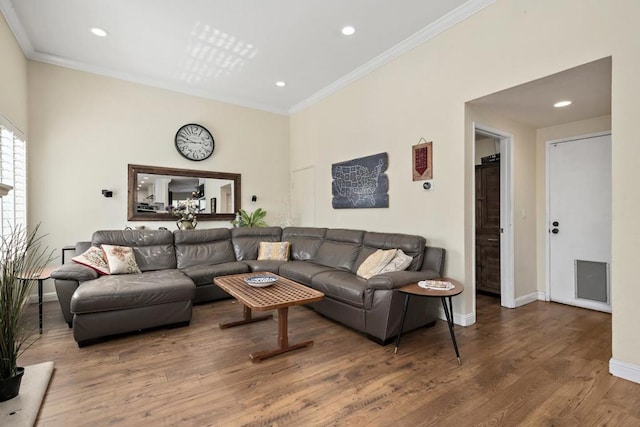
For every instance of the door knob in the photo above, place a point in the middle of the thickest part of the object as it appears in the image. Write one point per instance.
(555, 223)
(555, 231)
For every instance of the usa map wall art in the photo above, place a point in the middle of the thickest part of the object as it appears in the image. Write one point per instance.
(361, 183)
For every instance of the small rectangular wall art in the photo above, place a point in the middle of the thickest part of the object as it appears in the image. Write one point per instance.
(423, 160)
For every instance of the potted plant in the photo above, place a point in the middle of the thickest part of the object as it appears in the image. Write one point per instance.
(253, 219)
(21, 255)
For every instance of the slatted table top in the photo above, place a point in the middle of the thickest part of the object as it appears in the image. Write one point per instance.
(283, 292)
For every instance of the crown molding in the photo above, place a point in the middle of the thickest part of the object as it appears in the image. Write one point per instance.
(444, 23)
(9, 13)
(459, 14)
(146, 81)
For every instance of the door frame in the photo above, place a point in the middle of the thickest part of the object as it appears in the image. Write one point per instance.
(547, 189)
(507, 282)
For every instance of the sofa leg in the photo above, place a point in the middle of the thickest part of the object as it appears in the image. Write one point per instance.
(70, 324)
(179, 324)
(380, 341)
(392, 339)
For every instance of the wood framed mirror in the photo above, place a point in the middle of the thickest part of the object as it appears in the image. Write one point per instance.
(154, 192)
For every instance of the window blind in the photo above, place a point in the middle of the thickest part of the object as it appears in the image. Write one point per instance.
(13, 172)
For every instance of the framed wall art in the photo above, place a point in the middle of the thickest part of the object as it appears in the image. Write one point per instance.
(423, 160)
(361, 183)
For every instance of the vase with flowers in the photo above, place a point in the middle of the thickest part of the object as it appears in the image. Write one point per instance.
(187, 211)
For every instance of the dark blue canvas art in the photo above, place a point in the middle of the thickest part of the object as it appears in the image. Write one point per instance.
(361, 183)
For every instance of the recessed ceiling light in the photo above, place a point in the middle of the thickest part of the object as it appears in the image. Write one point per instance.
(99, 32)
(281, 84)
(562, 104)
(348, 30)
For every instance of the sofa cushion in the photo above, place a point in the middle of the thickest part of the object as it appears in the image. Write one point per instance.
(341, 285)
(121, 259)
(411, 245)
(153, 249)
(108, 293)
(276, 251)
(376, 262)
(246, 240)
(340, 249)
(302, 271)
(204, 274)
(203, 247)
(305, 241)
(264, 265)
(93, 258)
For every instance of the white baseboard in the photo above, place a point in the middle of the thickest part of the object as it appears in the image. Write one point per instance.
(458, 319)
(49, 296)
(529, 298)
(624, 370)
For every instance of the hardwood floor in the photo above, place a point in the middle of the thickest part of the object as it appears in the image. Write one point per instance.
(543, 364)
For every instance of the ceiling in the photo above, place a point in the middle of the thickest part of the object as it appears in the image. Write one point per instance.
(233, 51)
(588, 86)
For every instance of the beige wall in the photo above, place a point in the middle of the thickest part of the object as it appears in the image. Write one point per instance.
(85, 129)
(423, 94)
(13, 79)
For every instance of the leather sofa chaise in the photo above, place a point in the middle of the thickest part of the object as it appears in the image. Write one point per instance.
(177, 271)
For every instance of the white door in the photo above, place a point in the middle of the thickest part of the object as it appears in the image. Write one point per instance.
(579, 222)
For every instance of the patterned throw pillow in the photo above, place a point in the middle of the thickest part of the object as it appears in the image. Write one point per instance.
(375, 262)
(399, 263)
(275, 251)
(121, 259)
(93, 258)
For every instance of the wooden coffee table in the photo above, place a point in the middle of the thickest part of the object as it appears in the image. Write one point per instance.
(281, 295)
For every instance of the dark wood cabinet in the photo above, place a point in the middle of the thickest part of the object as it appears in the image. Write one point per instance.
(488, 228)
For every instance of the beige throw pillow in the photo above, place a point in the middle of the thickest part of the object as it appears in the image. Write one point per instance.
(275, 251)
(121, 259)
(93, 258)
(400, 262)
(375, 262)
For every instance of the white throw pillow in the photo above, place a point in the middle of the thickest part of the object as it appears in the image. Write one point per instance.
(375, 262)
(93, 258)
(399, 263)
(121, 259)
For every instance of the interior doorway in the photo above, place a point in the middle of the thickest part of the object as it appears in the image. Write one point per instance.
(493, 237)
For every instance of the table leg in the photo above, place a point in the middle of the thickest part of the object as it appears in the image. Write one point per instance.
(40, 303)
(404, 314)
(247, 317)
(283, 339)
(448, 312)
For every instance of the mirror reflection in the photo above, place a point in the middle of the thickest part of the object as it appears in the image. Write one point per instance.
(154, 193)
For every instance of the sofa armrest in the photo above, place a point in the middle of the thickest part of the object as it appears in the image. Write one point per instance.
(77, 272)
(398, 279)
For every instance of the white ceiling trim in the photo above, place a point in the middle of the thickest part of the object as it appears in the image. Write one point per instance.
(6, 7)
(447, 21)
(140, 79)
(461, 13)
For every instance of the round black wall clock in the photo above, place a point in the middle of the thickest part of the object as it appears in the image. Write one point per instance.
(194, 142)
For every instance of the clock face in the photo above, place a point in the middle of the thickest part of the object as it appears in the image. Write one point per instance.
(194, 142)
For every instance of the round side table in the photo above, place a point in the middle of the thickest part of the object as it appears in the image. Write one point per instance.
(414, 290)
(46, 273)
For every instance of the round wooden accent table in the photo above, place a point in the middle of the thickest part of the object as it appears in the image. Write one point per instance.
(414, 290)
(46, 273)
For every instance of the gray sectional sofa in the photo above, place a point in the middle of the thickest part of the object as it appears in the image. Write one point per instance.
(177, 270)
